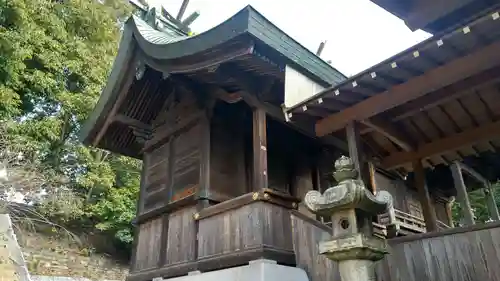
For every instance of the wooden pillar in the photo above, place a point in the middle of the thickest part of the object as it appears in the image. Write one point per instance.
(259, 149)
(356, 154)
(462, 195)
(426, 201)
(203, 193)
(490, 202)
(204, 188)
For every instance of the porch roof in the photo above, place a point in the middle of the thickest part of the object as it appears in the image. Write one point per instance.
(437, 100)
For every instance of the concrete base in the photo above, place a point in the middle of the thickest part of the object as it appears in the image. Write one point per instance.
(258, 270)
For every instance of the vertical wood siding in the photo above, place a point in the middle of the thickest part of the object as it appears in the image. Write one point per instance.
(467, 256)
(181, 236)
(148, 245)
(247, 227)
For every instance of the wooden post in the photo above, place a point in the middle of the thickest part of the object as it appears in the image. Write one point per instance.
(490, 202)
(462, 195)
(203, 194)
(449, 212)
(356, 154)
(204, 188)
(259, 149)
(426, 201)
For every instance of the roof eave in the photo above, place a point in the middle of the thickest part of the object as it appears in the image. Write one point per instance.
(109, 94)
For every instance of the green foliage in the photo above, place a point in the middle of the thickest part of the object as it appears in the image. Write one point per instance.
(54, 60)
(478, 204)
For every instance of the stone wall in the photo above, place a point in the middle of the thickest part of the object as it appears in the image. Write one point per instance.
(62, 256)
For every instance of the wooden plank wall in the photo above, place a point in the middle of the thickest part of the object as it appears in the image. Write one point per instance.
(148, 245)
(180, 237)
(154, 250)
(460, 254)
(246, 228)
(172, 161)
(307, 233)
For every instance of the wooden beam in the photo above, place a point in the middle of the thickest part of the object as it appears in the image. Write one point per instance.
(424, 12)
(462, 195)
(441, 146)
(426, 201)
(473, 173)
(436, 78)
(126, 120)
(165, 131)
(259, 149)
(396, 135)
(249, 95)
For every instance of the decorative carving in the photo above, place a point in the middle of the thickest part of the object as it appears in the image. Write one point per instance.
(141, 134)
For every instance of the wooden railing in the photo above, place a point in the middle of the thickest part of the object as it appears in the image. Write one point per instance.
(409, 223)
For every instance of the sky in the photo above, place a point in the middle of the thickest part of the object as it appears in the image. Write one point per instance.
(359, 34)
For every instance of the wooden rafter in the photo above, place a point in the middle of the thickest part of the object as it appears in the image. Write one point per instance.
(391, 132)
(456, 141)
(445, 94)
(439, 77)
(123, 89)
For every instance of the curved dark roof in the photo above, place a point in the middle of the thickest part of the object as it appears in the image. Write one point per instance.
(167, 48)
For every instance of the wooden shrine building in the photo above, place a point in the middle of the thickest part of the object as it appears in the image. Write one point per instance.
(236, 124)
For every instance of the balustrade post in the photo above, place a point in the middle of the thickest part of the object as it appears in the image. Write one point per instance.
(349, 204)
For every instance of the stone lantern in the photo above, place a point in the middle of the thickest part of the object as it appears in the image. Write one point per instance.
(350, 205)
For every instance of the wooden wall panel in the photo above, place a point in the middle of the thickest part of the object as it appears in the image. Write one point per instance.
(249, 227)
(155, 180)
(227, 160)
(186, 160)
(181, 236)
(148, 245)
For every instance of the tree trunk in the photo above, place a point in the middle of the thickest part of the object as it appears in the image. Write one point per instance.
(12, 264)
